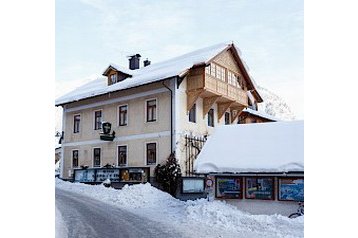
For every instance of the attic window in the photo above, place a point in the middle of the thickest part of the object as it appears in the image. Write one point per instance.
(113, 78)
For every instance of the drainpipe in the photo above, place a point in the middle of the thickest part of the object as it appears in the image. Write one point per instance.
(171, 116)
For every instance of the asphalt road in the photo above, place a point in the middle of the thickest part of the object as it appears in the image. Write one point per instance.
(85, 217)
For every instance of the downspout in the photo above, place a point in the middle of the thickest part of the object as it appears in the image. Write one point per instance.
(171, 116)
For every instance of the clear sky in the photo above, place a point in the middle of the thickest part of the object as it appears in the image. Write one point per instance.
(90, 34)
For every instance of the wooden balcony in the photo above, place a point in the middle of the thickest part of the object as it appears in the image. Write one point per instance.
(211, 89)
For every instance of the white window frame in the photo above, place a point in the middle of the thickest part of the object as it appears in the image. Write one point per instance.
(78, 159)
(118, 114)
(156, 152)
(101, 157)
(118, 165)
(156, 110)
(73, 120)
(94, 118)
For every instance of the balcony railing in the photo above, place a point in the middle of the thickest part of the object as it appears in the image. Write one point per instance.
(217, 87)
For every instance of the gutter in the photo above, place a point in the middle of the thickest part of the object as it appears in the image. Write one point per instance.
(171, 116)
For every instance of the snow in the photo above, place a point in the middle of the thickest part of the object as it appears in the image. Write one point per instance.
(199, 218)
(60, 227)
(152, 73)
(274, 105)
(256, 147)
(261, 114)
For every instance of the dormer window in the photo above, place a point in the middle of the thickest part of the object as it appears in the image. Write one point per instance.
(114, 78)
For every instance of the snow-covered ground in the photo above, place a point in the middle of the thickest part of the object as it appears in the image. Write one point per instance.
(198, 218)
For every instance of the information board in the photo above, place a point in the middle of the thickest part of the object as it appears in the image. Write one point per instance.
(111, 174)
(228, 187)
(259, 188)
(193, 185)
(291, 189)
(85, 175)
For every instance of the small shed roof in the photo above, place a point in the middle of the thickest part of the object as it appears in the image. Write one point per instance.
(256, 147)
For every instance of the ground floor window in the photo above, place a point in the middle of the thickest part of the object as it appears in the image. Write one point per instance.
(122, 155)
(260, 188)
(96, 157)
(151, 153)
(134, 175)
(291, 189)
(228, 187)
(74, 158)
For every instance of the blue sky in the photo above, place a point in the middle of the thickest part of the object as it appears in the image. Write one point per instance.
(90, 34)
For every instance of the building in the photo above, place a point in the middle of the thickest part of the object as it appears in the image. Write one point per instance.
(259, 168)
(134, 118)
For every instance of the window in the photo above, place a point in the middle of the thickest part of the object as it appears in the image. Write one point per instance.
(76, 123)
(123, 115)
(151, 110)
(220, 73)
(260, 188)
(151, 153)
(97, 120)
(74, 158)
(122, 155)
(96, 157)
(232, 79)
(213, 70)
(114, 78)
(227, 118)
(228, 187)
(211, 118)
(192, 114)
(291, 189)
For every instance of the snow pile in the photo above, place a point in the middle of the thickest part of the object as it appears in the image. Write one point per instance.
(264, 147)
(220, 214)
(137, 196)
(198, 218)
(274, 105)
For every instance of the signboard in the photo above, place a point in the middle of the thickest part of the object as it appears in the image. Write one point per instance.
(228, 187)
(85, 175)
(291, 189)
(259, 188)
(134, 175)
(111, 174)
(193, 185)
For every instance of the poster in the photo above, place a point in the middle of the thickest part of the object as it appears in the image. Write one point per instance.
(259, 188)
(193, 185)
(84, 175)
(228, 187)
(111, 174)
(135, 175)
(291, 189)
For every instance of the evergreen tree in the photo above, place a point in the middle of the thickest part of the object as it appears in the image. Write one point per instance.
(168, 175)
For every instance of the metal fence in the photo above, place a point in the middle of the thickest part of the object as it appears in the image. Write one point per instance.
(193, 146)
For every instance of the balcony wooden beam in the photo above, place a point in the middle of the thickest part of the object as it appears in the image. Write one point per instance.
(208, 102)
(235, 112)
(222, 108)
(192, 96)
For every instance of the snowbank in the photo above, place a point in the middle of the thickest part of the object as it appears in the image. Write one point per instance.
(262, 147)
(198, 218)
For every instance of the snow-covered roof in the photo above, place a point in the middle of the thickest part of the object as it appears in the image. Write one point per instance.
(261, 114)
(155, 72)
(256, 147)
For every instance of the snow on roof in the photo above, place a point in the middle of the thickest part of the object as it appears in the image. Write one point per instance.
(149, 74)
(261, 114)
(257, 147)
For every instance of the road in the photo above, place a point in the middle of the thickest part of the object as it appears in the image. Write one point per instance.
(84, 217)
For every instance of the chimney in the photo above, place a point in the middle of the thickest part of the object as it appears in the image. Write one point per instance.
(134, 61)
(146, 62)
